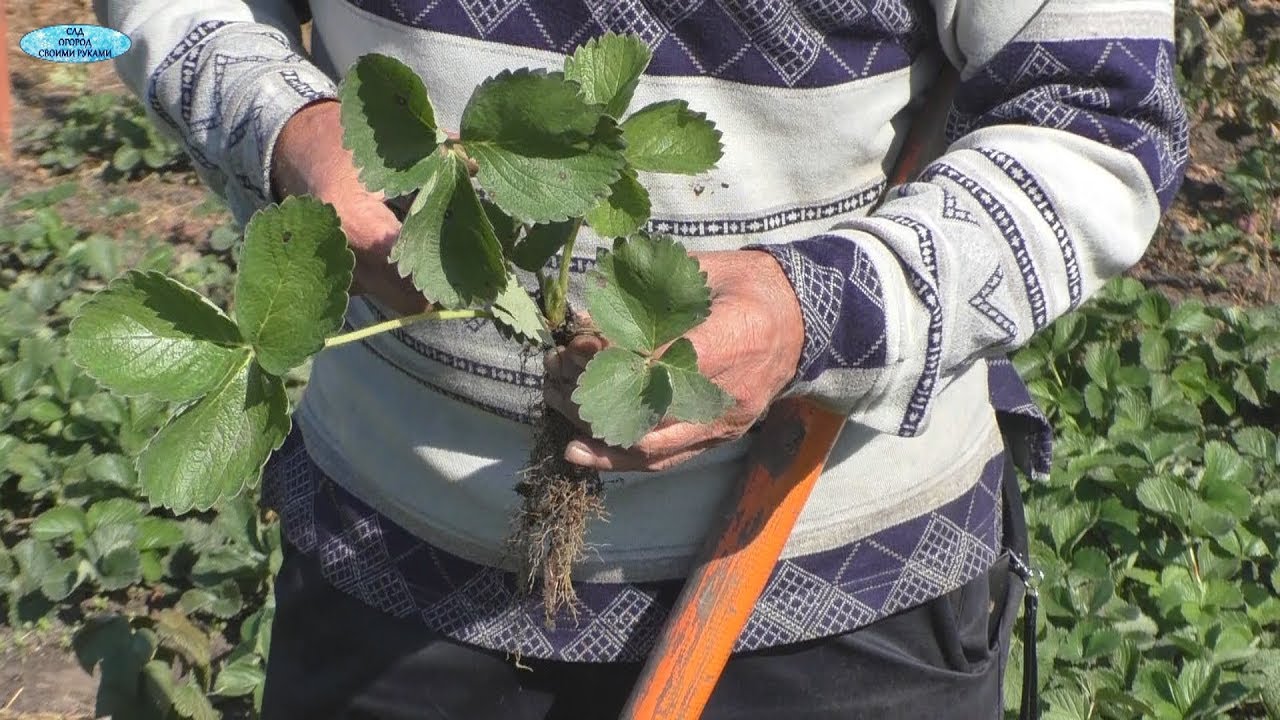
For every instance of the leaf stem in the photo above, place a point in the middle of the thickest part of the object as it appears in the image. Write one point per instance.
(556, 310)
(397, 323)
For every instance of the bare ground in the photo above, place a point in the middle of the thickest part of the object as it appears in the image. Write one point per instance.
(40, 678)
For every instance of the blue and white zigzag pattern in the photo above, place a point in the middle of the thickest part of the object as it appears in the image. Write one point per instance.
(779, 43)
(371, 558)
(982, 303)
(1120, 92)
(1009, 230)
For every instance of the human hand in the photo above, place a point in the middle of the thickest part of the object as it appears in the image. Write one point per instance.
(309, 159)
(749, 346)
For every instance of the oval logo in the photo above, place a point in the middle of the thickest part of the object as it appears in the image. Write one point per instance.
(75, 43)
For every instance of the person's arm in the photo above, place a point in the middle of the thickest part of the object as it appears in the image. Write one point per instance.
(223, 76)
(1068, 139)
(260, 122)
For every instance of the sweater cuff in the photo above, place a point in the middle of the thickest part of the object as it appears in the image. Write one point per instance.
(258, 116)
(842, 302)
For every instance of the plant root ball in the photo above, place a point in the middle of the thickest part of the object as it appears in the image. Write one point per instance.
(559, 499)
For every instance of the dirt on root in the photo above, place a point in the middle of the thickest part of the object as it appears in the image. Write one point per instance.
(558, 500)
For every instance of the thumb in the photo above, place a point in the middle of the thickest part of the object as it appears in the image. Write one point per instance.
(586, 340)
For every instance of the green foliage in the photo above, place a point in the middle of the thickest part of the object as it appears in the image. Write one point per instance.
(619, 396)
(1223, 76)
(549, 155)
(291, 292)
(643, 295)
(1158, 529)
(1229, 68)
(608, 69)
(148, 335)
(544, 153)
(215, 448)
(198, 395)
(77, 534)
(389, 124)
(104, 128)
(625, 210)
(668, 137)
(516, 312)
(448, 245)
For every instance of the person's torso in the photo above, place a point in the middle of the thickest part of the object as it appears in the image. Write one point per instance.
(813, 99)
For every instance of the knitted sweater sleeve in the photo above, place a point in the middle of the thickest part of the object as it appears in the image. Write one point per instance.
(222, 76)
(1067, 139)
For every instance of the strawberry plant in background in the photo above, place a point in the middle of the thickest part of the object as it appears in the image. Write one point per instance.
(76, 532)
(107, 130)
(1159, 526)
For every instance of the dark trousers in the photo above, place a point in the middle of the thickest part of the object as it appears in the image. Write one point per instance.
(334, 657)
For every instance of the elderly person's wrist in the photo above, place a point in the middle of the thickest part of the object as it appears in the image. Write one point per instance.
(308, 156)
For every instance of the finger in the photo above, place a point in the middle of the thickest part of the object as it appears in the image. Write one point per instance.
(603, 458)
(655, 446)
(557, 390)
(586, 344)
(563, 366)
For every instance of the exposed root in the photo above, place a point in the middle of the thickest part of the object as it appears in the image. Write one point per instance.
(559, 500)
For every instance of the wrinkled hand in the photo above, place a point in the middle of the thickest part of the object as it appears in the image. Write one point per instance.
(309, 160)
(749, 346)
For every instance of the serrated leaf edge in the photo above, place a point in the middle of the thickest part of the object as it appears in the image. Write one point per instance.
(361, 170)
(121, 280)
(245, 485)
(697, 115)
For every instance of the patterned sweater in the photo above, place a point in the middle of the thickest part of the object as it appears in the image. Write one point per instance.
(1066, 140)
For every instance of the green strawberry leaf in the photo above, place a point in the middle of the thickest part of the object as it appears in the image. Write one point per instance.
(1165, 495)
(291, 293)
(518, 315)
(544, 154)
(540, 244)
(190, 701)
(447, 244)
(609, 68)
(625, 211)
(1101, 363)
(59, 522)
(505, 228)
(388, 124)
(694, 398)
(146, 334)
(239, 677)
(646, 293)
(216, 447)
(620, 398)
(668, 137)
